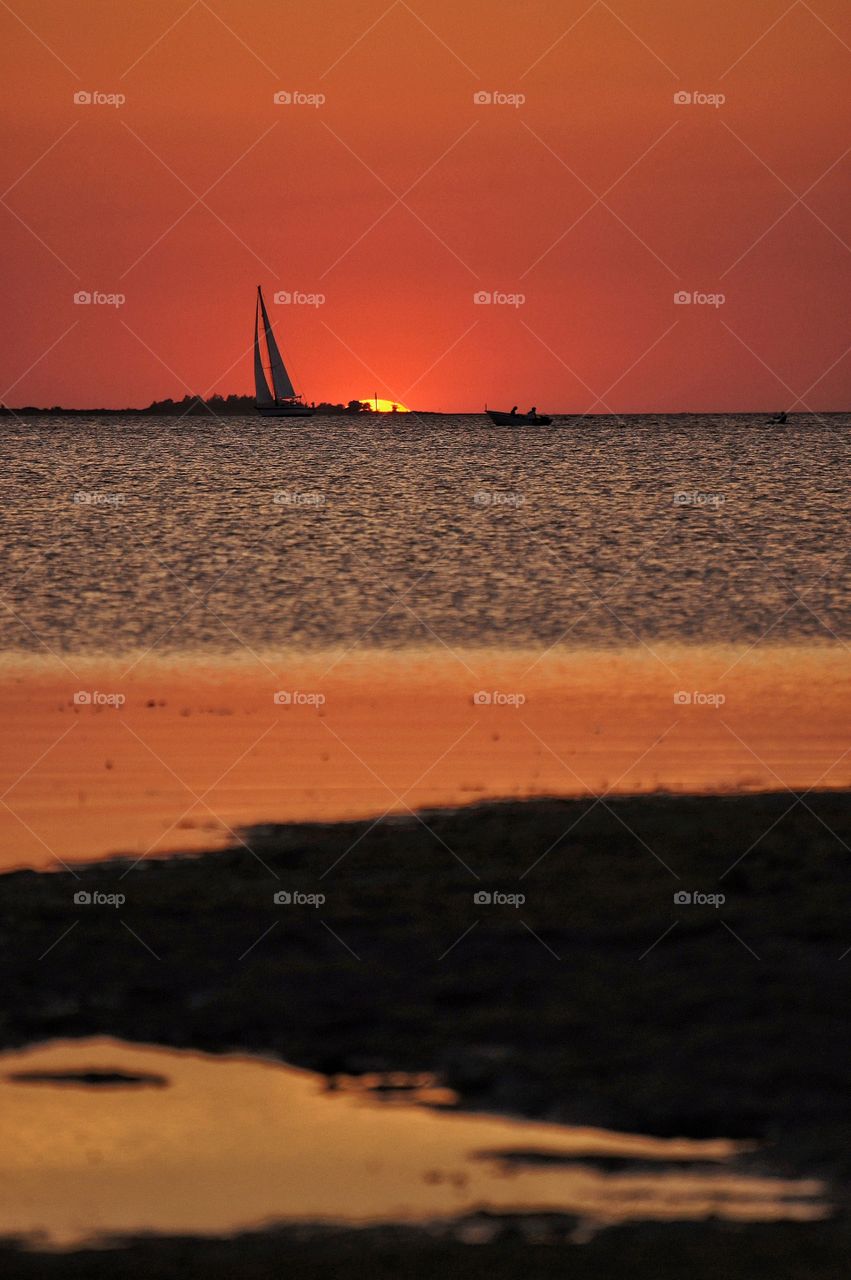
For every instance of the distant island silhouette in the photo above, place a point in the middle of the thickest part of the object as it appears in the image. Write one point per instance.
(218, 406)
(233, 406)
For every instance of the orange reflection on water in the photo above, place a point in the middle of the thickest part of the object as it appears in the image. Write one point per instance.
(232, 1142)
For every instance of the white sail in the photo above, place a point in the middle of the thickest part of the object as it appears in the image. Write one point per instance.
(281, 384)
(262, 393)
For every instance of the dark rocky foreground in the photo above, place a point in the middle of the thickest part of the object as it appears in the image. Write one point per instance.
(576, 1005)
(697, 1251)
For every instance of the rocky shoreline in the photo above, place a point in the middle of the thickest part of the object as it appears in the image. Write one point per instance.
(477, 1248)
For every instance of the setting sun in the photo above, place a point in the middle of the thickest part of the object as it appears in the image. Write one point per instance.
(377, 405)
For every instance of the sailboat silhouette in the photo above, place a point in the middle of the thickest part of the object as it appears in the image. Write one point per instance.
(279, 399)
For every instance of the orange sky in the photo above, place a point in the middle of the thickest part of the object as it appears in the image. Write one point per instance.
(495, 200)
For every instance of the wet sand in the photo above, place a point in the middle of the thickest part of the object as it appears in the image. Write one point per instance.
(482, 1247)
(602, 998)
(601, 1001)
(198, 750)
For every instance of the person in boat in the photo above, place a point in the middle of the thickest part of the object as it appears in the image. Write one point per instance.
(533, 412)
(514, 411)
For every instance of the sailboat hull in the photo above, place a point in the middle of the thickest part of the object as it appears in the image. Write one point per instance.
(285, 410)
(517, 419)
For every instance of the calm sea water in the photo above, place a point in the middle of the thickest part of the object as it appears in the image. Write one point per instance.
(197, 534)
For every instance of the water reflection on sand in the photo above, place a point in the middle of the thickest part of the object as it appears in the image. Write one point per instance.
(232, 1142)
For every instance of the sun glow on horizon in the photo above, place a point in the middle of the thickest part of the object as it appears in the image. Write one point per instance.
(377, 405)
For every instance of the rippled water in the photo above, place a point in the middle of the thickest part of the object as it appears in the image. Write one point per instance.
(198, 534)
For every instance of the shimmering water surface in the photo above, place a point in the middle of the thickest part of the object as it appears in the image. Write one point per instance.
(125, 532)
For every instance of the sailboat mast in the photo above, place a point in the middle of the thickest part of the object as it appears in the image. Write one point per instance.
(267, 367)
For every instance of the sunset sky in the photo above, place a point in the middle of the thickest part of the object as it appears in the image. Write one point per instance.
(399, 198)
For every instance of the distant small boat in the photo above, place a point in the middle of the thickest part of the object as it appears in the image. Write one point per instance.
(278, 400)
(515, 419)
